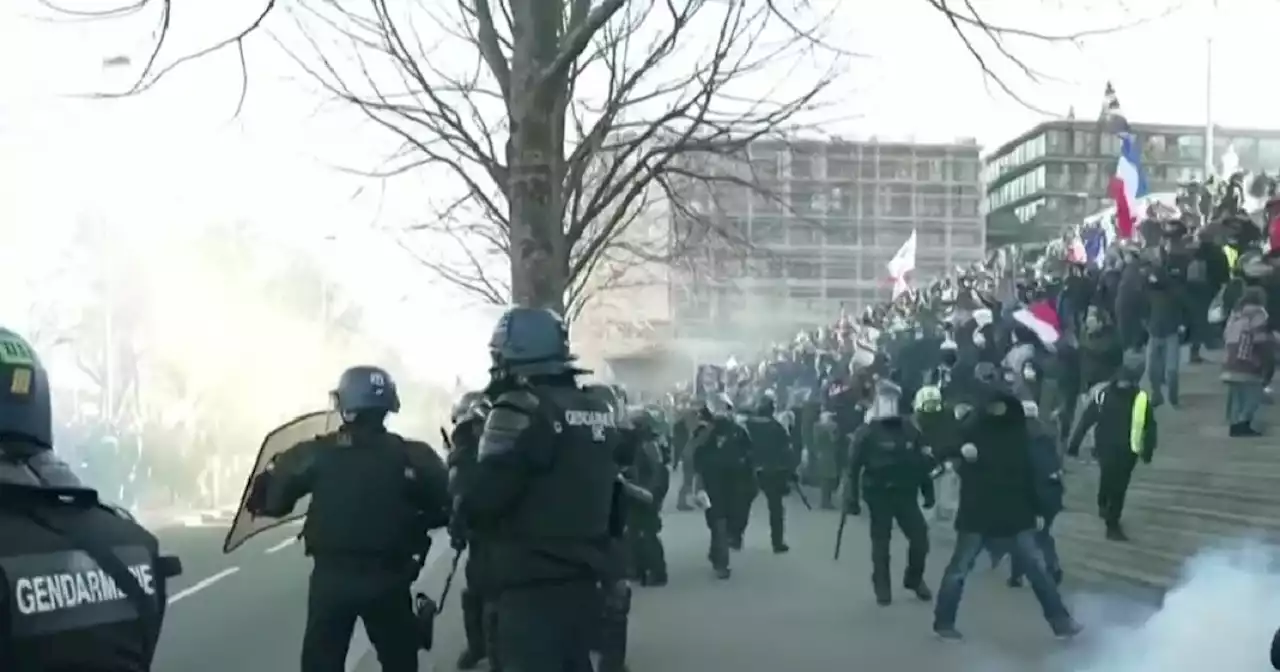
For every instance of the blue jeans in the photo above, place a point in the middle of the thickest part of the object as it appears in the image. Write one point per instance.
(1048, 548)
(1243, 400)
(1164, 359)
(1023, 551)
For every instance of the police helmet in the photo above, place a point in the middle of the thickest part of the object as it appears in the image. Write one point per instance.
(365, 388)
(928, 399)
(470, 406)
(531, 342)
(26, 413)
(885, 403)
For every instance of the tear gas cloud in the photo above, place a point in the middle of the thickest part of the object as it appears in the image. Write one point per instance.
(1222, 616)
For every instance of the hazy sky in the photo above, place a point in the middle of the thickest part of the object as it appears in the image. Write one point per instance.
(152, 160)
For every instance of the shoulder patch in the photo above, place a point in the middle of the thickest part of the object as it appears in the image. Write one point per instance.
(521, 399)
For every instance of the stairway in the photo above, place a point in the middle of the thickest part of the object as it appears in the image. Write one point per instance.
(1202, 490)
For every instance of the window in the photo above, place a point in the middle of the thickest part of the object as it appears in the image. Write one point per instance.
(1083, 143)
(841, 167)
(932, 234)
(1269, 154)
(841, 232)
(1156, 147)
(766, 231)
(802, 234)
(804, 292)
(966, 238)
(1056, 142)
(801, 166)
(1191, 147)
(840, 270)
(866, 200)
(802, 201)
(802, 270)
(842, 293)
(867, 166)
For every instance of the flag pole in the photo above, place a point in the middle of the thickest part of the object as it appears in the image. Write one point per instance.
(1208, 92)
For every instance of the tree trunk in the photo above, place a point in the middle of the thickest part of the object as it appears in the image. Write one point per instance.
(539, 260)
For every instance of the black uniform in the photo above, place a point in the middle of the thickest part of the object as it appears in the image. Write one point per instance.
(644, 519)
(721, 455)
(545, 496)
(775, 465)
(479, 614)
(889, 468)
(84, 585)
(1118, 444)
(374, 498)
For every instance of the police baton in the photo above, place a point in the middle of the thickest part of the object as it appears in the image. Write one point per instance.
(844, 518)
(800, 491)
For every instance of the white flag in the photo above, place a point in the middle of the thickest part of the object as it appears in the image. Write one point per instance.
(902, 263)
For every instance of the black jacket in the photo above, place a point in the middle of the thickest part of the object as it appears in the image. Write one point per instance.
(997, 489)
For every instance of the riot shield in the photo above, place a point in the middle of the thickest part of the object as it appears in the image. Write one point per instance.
(302, 428)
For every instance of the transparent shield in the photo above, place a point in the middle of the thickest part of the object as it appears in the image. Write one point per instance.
(302, 428)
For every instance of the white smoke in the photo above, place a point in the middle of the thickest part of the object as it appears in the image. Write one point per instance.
(1220, 617)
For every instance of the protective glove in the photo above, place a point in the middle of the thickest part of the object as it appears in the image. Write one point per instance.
(853, 507)
(969, 452)
(928, 503)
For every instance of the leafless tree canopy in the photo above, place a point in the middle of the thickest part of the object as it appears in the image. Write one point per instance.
(573, 126)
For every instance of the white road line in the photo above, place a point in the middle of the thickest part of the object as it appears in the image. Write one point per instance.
(282, 545)
(202, 584)
(360, 646)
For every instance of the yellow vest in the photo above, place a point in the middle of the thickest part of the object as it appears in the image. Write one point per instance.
(1138, 422)
(1232, 256)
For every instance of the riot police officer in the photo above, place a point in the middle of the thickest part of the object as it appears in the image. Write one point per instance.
(775, 465)
(545, 495)
(721, 458)
(50, 522)
(479, 618)
(644, 520)
(374, 497)
(889, 468)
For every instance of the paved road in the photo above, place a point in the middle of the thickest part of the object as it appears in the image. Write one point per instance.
(799, 611)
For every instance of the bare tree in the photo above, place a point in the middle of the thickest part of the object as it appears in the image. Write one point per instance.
(567, 120)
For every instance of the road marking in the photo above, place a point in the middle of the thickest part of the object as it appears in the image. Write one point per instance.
(282, 545)
(360, 646)
(202, 584)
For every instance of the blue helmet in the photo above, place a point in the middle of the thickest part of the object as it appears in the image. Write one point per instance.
(531, 342)
(26, 412)
(365, 388)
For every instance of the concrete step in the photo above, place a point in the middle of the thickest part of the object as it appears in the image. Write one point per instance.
(1083, 498)
(1083, 548)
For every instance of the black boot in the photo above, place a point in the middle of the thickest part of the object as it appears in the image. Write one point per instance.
(1116, 533)
(884, 595)
(921, 589)
(473, 626)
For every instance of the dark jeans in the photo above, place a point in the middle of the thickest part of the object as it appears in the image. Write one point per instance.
(1023, 549)
(1164, 359)
(1243, 402)
(1048, 548)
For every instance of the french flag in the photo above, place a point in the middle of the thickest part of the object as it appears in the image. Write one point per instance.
(1128, 184)
(1042, 319)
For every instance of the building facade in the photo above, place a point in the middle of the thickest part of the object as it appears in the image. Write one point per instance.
(1056, 174)
(822, 220)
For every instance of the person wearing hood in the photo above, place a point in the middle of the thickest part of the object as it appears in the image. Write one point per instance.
(1250, 355)
(720, 453)
(889, 467)
(775, 465)
(1124, 424)
(998, 506)
(1046, 466)
(1100, 354)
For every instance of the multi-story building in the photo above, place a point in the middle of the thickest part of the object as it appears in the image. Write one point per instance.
(1056, 174)
(821, 221)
